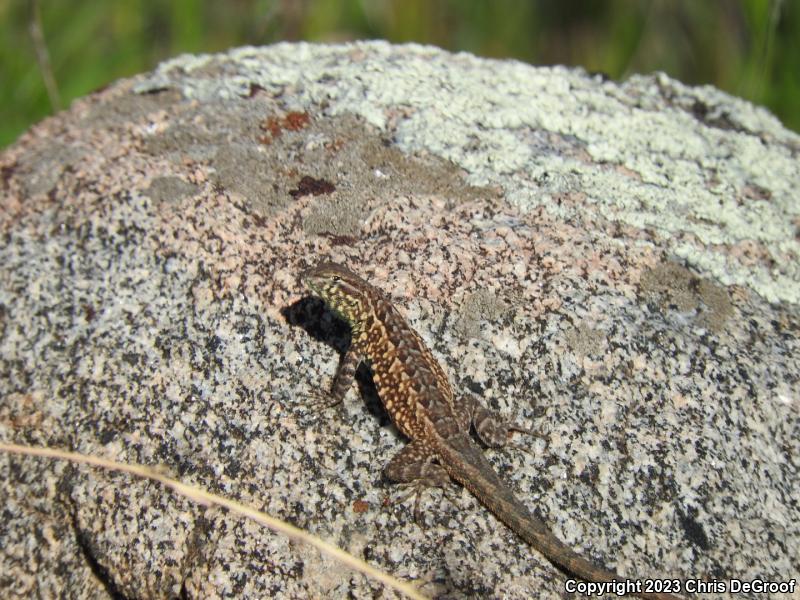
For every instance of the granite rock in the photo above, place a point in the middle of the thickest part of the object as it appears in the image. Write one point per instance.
(612, 264)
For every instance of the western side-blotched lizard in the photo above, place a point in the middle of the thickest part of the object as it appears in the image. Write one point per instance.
(419, 399)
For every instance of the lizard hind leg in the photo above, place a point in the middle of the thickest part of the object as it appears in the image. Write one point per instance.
(413, 466)
(493, 430)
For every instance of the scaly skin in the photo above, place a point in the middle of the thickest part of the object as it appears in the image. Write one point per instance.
(419, 399)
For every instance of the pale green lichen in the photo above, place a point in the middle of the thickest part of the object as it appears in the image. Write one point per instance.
(650, 152)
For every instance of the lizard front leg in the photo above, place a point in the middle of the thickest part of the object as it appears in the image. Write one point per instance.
(342, 381)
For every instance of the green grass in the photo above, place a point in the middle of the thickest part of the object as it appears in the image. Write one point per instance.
(749, 48)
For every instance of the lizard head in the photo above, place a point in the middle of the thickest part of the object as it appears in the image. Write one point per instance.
(342, 290)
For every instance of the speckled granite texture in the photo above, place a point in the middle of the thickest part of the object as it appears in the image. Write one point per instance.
(613, 264)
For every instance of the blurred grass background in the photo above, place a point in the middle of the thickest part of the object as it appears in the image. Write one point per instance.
(56, 50)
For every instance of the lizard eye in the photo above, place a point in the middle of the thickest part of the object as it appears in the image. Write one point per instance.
(336, 278)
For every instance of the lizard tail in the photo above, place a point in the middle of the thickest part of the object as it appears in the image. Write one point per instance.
(465, 463)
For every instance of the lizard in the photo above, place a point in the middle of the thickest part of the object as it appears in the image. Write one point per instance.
(419, 399)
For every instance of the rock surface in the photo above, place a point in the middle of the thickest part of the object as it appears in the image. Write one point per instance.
(613, 264)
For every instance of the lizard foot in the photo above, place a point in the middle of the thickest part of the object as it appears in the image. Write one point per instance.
(494, 431)
(416, 489)
(415, 478)
(319, 400)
